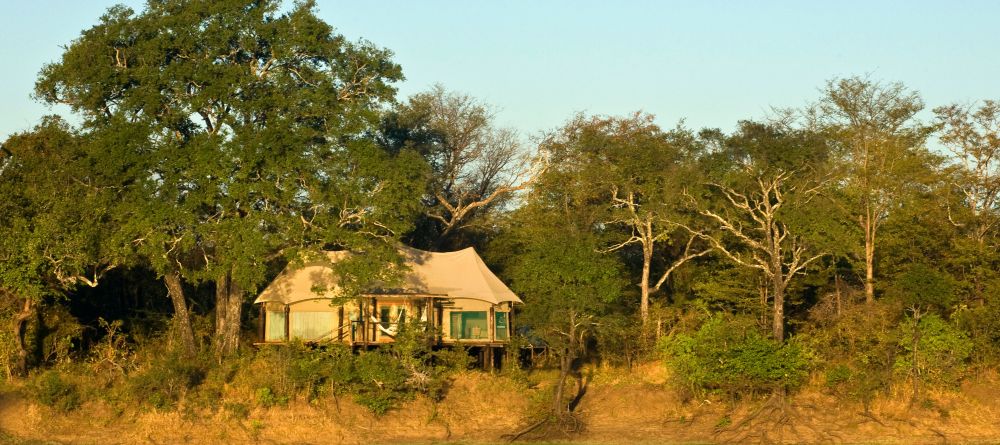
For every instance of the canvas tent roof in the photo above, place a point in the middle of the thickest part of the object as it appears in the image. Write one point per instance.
(460, 274)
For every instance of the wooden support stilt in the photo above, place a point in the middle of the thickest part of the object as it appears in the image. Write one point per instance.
(260, 323)
(287, 323)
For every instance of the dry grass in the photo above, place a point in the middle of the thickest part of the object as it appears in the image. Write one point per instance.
(619, 407)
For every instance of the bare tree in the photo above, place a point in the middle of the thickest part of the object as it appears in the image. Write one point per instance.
(648, 229)
(774, 173)
(973, 137)
(476, 166)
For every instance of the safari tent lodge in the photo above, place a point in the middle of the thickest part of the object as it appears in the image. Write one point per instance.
(453, 293)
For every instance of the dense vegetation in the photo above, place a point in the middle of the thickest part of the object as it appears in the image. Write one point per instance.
(217, 141)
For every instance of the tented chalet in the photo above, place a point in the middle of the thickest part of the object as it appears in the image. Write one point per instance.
(453, 292)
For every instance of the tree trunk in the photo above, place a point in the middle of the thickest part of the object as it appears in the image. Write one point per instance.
(778, 284)
(778, 321)
(565, 362)
(916, 356)
(228, 314)
(869, 263)
(836, 283)
(182, 317)
(20, 330)
(647, 262)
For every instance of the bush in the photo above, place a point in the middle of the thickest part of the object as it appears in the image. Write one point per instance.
(941, 353)
(731, 356)
(983, 325)
(622, 339)
(165, 380)
(381, 382)
(53, 390)
(858, 350)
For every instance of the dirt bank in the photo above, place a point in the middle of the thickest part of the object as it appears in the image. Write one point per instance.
(617, 407)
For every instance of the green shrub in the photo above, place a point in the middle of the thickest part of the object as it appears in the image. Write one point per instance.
(858, 349)
(381, 382)
(731, 356)
(982, 322)
(53, 390)
(165, 380)
(267, 398)
(454, 359)
(941, 354)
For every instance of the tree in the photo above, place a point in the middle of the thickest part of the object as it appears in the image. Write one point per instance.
(772, 173)
(476, 167)
(921, 289)
(635, 172)
(874, 126)
(247, 131)
(60, 228)
(552, 261)
(973, 137)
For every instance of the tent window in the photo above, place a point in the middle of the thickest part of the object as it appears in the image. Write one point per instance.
(501, 325)
(275, 326)
(310, 325)
(469, 325)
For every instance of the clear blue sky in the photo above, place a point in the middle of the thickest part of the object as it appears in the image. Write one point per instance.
(539, 62)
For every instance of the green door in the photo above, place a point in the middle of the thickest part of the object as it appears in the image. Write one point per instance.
(501, 325)
(275, 326)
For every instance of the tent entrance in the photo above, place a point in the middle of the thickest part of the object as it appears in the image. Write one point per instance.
(500, 321)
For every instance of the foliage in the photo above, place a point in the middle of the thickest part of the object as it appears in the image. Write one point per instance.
(940, 353)
(475, 167)
(51, 388)
(239, 136)
(165, 380)
(858, 350)
(731, 356)
(216, 141)
(381, 382)
(982, 323)
(622, 340)
(922, 287)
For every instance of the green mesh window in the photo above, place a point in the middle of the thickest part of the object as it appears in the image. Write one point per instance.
(469, 325)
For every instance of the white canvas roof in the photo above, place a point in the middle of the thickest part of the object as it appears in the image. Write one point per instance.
(461, 274)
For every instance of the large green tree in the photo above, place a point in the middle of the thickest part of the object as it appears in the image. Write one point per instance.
(59, 225)
(248, 130)
(634, 173)
(551, 257)
(878, 137)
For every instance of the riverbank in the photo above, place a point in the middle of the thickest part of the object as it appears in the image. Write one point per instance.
(617, 407)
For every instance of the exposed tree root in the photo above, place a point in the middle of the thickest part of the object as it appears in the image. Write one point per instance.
(776, 420)
(549, 427)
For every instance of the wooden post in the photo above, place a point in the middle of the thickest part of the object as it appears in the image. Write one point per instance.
(510, 320)
(374, 323)
(260, 322)
(363, 311)
(340, 323)
(287, 323)
(491, 329)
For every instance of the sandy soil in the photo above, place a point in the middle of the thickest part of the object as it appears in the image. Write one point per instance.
(617, 407)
